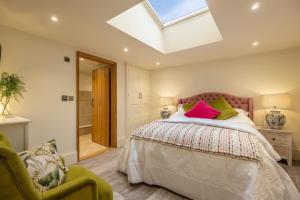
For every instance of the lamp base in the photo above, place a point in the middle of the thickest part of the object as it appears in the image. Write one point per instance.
(275, 119)
(165, 113)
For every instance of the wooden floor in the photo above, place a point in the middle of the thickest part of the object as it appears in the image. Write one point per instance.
(104, 165)
(88, 148)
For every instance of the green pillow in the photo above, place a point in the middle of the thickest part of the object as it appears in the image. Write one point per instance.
(224, 107)
(188, 106)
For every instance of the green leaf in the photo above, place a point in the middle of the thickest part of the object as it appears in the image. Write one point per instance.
(51, 179)
(11, 86)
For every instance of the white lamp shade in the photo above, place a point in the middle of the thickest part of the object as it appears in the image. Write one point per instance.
(167, 101)
(276, 100)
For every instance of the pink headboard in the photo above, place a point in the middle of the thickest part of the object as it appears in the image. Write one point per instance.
(236, 102)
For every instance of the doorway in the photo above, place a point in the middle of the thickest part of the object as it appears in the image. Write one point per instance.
(96, 105)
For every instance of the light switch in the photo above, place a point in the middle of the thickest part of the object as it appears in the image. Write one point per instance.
(71, 98)
(64, 98)
(67, 59)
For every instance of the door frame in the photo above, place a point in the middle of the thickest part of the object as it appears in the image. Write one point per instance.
(113, 97)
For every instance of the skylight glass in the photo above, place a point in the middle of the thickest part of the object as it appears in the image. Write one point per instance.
(171, 11)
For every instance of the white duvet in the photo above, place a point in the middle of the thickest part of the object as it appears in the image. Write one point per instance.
(199, 175)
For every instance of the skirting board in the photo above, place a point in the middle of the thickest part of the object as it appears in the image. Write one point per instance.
(70, 158)
(296, 154)
(121, 141)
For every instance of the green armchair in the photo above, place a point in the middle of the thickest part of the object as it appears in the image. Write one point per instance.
(15, 182)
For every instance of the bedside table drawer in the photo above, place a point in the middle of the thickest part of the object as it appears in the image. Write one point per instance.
(283, 151)
(281, 140)
(276, 139)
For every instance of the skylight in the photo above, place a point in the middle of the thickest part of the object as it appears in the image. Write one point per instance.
(189, 28)
(172, 11)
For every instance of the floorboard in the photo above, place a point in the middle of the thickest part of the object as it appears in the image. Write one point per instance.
(88, 148)
(104, 165)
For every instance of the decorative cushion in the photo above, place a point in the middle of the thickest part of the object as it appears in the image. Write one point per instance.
(188, 106)
(45, 166)
(202, 110)
(224, 107)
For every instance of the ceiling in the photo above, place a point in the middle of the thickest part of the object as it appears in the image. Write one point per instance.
(87, 66)
(276, 25)
(140, 23)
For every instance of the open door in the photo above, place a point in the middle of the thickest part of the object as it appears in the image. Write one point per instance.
(101, 106)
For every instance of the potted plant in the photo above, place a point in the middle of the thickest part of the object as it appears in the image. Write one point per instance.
(11, 87)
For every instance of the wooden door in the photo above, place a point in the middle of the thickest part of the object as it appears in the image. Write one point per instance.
(101, 106)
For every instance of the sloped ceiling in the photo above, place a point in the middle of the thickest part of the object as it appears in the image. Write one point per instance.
(139, 23)
(276, 25)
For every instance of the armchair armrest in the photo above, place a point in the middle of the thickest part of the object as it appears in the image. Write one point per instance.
(70, 187)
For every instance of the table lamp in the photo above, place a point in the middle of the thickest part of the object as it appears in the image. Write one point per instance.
(275, 119)
(165, 102)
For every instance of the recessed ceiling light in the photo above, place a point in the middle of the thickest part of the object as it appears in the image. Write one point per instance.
(157, 63)
(255, 6)
(126, 49)
(254, 44)
(54, 18)
(81, 59)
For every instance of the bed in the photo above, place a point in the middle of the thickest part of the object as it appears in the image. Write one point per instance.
(207, 159)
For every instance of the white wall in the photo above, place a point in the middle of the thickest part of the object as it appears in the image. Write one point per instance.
(251, 76)
(85, 81)
(41, 64)
(121, 106)
(138, 98)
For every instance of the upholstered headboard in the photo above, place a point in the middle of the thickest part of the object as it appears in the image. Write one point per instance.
(236, 102)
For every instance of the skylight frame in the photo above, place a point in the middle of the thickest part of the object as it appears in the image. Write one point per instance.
(176, 21)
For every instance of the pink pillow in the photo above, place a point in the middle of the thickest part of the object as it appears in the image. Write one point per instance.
(202, 110)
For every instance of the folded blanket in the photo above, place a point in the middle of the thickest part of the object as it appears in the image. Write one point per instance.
(204, 138)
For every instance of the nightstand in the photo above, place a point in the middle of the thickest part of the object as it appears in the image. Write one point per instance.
(281, 140)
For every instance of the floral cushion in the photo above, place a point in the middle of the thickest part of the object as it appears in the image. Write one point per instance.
(45, 166)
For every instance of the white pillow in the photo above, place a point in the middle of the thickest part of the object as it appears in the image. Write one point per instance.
(242, 117)
(241, 111)
(180, 112)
